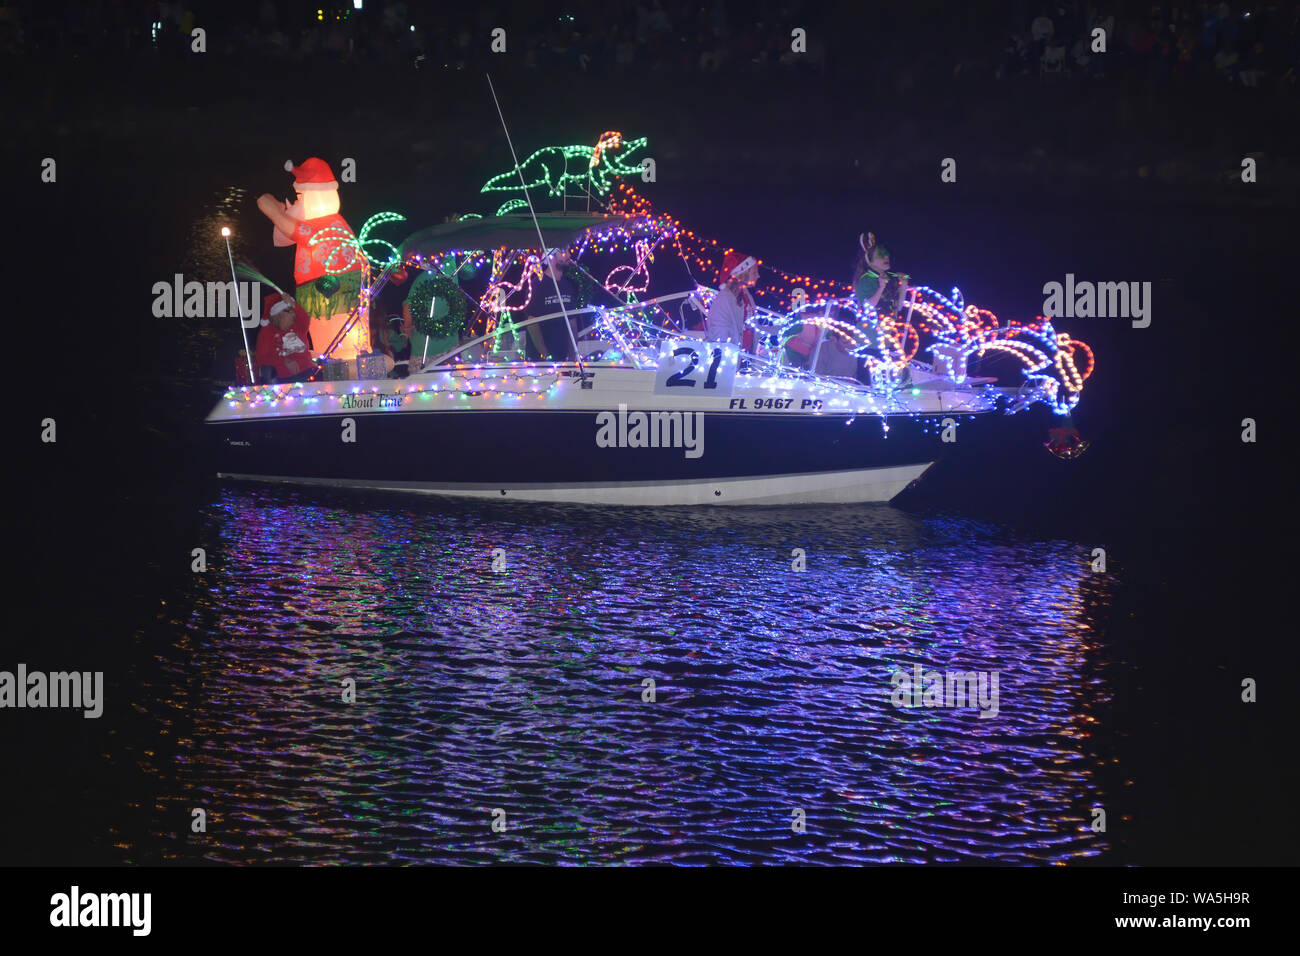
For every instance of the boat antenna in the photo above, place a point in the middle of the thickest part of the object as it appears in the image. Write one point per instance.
(243, 330)
(582, 369)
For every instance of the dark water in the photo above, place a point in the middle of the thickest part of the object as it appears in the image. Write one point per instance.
(522, 690)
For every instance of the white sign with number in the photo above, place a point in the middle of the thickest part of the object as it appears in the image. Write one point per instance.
(695, 367)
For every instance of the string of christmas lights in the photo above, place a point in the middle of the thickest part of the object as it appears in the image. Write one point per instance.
(594, 167)
(1054, 365)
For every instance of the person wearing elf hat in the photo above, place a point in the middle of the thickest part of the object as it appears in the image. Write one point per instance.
(732, 306)
(284, 342)
(329, 272)
(874, 284)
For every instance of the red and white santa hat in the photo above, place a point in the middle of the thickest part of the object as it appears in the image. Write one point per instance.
(275, 304)
(312, 174)
(734, 264)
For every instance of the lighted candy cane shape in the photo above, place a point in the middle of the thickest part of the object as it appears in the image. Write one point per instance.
(638, 279)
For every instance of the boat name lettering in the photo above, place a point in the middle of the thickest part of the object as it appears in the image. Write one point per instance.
(371, 401)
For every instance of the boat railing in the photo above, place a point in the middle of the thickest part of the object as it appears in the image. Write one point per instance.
(639, 341)
(768, 365)
(630, 347)
(445, 359)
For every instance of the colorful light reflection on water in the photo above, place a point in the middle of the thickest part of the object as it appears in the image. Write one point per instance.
(522, 690)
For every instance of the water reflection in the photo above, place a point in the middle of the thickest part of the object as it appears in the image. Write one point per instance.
(522, 690)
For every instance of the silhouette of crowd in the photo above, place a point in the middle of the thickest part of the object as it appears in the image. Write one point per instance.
(681, 36)
(1251, 46)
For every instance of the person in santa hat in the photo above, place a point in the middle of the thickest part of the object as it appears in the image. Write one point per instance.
(329, 272)
(284, 343)
(733, 305)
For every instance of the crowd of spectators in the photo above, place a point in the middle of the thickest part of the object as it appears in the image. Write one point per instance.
(586, 34)
(1251, 46)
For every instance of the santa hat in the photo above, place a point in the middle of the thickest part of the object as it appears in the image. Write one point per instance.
(275, 304)
(734, 264)
(312, 174)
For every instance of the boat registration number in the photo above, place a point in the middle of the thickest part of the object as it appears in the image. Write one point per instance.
(779, 404)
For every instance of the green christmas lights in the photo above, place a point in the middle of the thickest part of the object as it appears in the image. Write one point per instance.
(437, 305)
(557, 168)
(345, 242)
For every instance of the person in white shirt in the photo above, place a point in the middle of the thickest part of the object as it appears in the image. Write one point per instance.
(733, 305)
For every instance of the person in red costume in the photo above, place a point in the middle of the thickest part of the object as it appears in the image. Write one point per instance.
(329, 272)
(284, 344)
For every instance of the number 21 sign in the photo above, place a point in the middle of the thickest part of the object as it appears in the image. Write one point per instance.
(693, 367)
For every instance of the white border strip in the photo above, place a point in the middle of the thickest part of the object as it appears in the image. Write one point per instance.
(834, 487)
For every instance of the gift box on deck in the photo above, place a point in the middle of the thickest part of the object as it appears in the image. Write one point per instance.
(334, 370)
(371, 366)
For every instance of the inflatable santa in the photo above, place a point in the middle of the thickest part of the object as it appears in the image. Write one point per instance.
(328, 267)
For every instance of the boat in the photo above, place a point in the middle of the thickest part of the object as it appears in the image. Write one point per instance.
(649, 412)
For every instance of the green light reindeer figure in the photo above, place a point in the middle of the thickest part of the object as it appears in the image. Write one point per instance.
(556, 168)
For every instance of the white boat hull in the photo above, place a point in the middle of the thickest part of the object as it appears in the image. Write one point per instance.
(839, 487)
